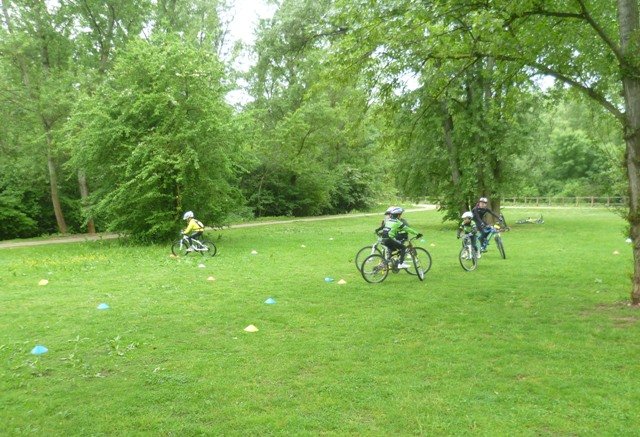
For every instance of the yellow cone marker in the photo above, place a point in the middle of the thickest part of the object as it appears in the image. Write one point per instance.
(342, 281)
(43, 282)
(254, 252)
(211, 278)
(251, 328)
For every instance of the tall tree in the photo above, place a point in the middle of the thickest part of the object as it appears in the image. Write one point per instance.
(106, 26)
(39, 49)
(592, 46)
(589, 45)
(461, 118)
(159, 139)
(312, 155)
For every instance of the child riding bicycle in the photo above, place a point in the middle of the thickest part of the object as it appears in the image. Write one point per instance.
(392, 232)
(469, 228)
(194, 229)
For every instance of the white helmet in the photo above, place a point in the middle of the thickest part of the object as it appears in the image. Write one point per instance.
(483, 199)
(467, 215)
(391, 208)
(187, 215)
(396, 211)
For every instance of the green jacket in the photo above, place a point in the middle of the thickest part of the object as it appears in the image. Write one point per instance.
(470, 228)
(396, 226)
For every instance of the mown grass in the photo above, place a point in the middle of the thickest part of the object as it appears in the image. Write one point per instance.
(542, 343)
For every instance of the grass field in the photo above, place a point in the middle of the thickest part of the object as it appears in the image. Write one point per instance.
(542, 343)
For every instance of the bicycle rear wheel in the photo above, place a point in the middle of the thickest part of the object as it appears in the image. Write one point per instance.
(468, 260)
(500, 246)
(374, 269)
(365, 252)
(423, 257)
(210, 246)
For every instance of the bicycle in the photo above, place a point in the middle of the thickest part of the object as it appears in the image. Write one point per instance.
(202, 247)
(372, 249)
(468, 254)
(375, 268)
(528, 220)
(495, 232)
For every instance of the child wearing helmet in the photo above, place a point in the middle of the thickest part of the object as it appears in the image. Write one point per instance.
(387, 214)
(194, 229)
(469, 227)
(393, 229)
(479, 211)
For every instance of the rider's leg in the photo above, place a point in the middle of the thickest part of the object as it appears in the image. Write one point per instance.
(484, 239)
(393, 245)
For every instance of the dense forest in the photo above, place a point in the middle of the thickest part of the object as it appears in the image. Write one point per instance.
(116, 114)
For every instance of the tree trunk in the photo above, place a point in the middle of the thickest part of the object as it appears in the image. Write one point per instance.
(84, 195)
(496, 204)
(629, 23)
(53, 183)
(447, 128)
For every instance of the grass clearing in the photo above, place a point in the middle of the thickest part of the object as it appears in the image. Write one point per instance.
(540, 343)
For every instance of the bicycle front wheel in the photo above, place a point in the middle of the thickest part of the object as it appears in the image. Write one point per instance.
(500, 246)
(424, 260)
(179, 248)
(365, 252)
(374, 269)
(468, 260)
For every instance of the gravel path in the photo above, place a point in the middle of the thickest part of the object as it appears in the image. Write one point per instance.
(110, 236)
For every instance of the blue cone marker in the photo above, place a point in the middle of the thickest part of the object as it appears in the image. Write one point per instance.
(39, 350)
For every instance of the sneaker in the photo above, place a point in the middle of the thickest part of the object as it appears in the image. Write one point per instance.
(478, 255)
(403, 265)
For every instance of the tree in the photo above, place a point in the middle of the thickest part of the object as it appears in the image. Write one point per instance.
(589, 45)
(312, 153)
(38, 48)
(159, 139)
(461, 121)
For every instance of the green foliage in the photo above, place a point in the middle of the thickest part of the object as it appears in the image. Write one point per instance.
(313, 144)
(578, 151)
(161, 126)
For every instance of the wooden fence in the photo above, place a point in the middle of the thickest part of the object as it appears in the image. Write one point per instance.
(590, 201)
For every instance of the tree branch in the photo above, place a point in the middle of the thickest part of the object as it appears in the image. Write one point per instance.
(545, 69)
(583, 15)
(589, 91)
(601, 33)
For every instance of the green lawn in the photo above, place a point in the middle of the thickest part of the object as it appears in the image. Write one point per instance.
(542, 343)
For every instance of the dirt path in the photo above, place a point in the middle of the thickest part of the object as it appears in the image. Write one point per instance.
(110, 236)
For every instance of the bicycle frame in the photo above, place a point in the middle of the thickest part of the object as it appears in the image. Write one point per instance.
(197, 244)
(497, 229)
(392, 257)
(467, 242)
